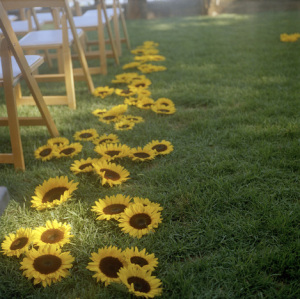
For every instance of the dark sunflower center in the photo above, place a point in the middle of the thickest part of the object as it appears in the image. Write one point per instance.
(58, 143)
(46, 264)
(18, 243)
(127, 91)
(53, 194)
(147, 105)
(111, 175)
(100, 112)
(83, 166)
(52, 236)
(165, 104)
(114, 209)
(163, 110)
(140, 221)
(160, 147)
(139, 284)
(141, 155)
(124, 126)
(112, 153)
(110, 266)
(141, 85)
(46, 152)
(85, 135)
(105, 140)
(68, 151)
(102, 92)
(139, 261)
(109, 117)
(132, 118)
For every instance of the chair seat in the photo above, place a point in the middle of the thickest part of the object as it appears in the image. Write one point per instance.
(33, 61)
(88, 21)
(21, 26)
(12, 17)
(47, 38)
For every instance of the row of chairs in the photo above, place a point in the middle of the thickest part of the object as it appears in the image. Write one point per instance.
(68, 31)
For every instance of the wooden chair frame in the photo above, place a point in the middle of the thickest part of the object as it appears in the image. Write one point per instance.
(69, 74)
(10, 46)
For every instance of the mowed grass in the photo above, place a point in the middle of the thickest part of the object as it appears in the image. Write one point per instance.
(230, 189)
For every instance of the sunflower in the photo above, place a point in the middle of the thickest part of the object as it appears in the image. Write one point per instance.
(53, 192)
(45, 152)
(103, 91)
(46, 265)
(142, 51)
(137, 77)
(145, 103)
(86, 135)
(83, 165)
(160, 109)
(133, 118)
(128, 92)
(69, 150)
(130, 65)
(131, 101)
(58, 141)
(150, 44)
(16, 244)
(142, 154)
(109, 117)
(140, 84)
(149, 68)
(107, 263)
(143, 93)
(119, 109)
(147, 202)
(111, 207)
(99, 112)
(111, 173)
(141, 258)
(147, 58)
(124, 125)
(165, 102)
(161, 147)
(54, 233)
(140, 282)
(138, 220)
(104, 139)
(124, 78)
(112, 150)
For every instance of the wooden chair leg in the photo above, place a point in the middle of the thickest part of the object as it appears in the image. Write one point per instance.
(16, 157)
(124, 26)
(101, 43)
(117, 29)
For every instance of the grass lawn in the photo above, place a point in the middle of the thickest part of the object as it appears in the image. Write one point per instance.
(230, 189)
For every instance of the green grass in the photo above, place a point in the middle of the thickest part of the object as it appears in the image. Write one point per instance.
(230, 189)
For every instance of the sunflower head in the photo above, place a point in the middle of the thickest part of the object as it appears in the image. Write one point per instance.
(111, 173)
(54, 233)
(104, 139)
(142, 154)
(111, 207)
(112, 150)
(86, 135)
(83, 165)
(161, 147)
(124, 125)
(140, 282)
(99, 112)
(138, 220)
(103, 91)
(53, 192)
(69, 150)
(46, 265)
(45, 152)
(58, 141)
(18, 243)
(106, 264)
(141, 258)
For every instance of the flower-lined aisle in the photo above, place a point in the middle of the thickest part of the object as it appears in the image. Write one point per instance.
(45, 260)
